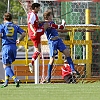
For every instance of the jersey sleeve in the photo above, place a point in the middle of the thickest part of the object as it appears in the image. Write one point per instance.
(32, 18)
(20, 30)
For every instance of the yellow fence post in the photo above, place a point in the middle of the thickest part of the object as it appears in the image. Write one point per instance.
(26, 50)
(88, 65)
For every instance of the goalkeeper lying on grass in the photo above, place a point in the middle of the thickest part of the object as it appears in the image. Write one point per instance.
(67, 74)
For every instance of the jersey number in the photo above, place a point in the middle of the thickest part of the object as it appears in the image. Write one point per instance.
(10, 31)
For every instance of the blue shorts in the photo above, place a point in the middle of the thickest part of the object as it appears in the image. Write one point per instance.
(8, 53)
(56, 45)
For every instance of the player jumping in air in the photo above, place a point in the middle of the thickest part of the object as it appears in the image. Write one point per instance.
(35, 32)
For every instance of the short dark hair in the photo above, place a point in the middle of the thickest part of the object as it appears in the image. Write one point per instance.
(47, 14)
(35, 5)
(8, 16)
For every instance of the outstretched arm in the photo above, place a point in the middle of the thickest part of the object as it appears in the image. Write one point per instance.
(43, 21)
(63, 30)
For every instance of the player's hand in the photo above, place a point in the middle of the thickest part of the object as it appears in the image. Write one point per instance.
(54, 26)
(63, 22)
(18, 41)
(61, 27)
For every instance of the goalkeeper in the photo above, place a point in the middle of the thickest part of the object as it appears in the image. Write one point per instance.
(67, 73)
(55, 43)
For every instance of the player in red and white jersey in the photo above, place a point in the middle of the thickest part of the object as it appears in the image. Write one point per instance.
(35, 32)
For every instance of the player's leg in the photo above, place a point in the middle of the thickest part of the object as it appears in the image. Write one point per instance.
(69, 59)
(9, 55)
(13, 57)
(62, 47)
(10, 72)
(53, 52)
(37, 44)
(5, 84)
(50, 66)
(35, 55)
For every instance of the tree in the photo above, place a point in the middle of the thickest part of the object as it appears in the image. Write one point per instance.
(3, 9)
(15, 8)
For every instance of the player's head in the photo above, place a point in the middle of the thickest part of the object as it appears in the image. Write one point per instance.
(8, 16)
(35, 7)
(47, 15)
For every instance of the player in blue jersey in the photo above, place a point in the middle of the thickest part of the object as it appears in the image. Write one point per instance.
(8, 34)
(55, 44)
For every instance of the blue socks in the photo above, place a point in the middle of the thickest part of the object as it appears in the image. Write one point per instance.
(49, 71)
(10, 73)
(70, 62)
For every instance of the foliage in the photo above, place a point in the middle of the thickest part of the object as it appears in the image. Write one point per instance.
(3, 8)
(15, 8)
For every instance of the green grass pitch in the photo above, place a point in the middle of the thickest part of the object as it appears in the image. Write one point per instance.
(56, 91)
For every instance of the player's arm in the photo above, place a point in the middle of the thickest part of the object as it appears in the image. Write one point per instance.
(22, 34)
(40, 22)
(31, 26)
(56, 26)
(31, 23)
(64, 70)
(59, 28)
(63, 30)
(21, 38)
(45, 21)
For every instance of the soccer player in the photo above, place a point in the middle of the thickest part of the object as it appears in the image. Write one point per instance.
(8, 34)
(35, 32)
(67, 74)
(55, 44)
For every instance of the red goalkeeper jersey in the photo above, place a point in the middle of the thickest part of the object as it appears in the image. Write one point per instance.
(66, 70)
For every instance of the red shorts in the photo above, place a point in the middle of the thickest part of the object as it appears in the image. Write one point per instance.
(37, 39)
